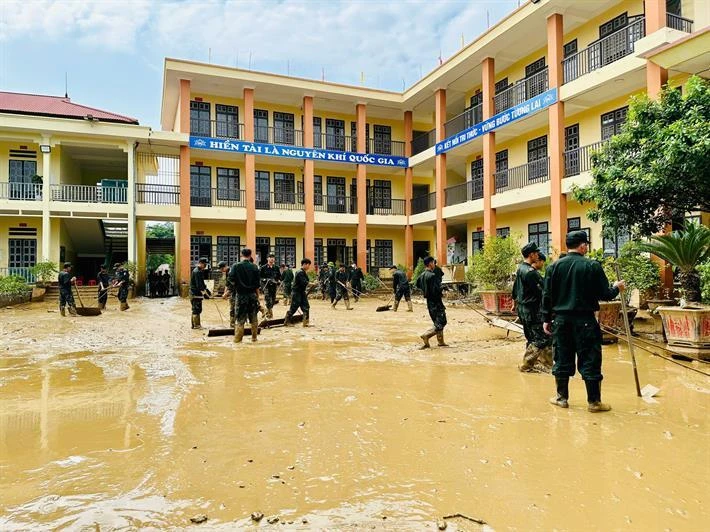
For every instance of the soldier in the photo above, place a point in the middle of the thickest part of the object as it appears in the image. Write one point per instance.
(271, 277)
(230, 293)
(527, 300)
(300, 296)
(341, 279)
(245, 278)
(323, 279)
(122, 281)
(356, 278)
(287, 280)
(400, 286)
(198, 291)
(332, 282)
(429, 283)
(103, 280)
(573, 287)
(66, 298)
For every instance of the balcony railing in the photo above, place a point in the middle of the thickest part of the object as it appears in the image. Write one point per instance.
(424, 203)
(423, 142)
(217, 197)
(278, 135)
(335, 142)
(521, 176)
(21, 191)
(379, 146)
(155, 194)
(679, 23)
(385, 207)
(225, 129)
(521, 91)
(579, 159)
(470, 117)
(468, 191)
(604, 51)
(336, 204)
(89, 194)
(24, 272)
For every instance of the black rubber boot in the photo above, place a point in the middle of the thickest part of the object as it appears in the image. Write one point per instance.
(287, 320)
(562, 392)
(594, 397)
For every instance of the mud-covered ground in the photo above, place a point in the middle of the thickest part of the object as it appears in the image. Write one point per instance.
(132, 420)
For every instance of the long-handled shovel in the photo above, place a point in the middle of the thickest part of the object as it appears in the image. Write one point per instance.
(628, 333)
(85, 311)
(218, 311)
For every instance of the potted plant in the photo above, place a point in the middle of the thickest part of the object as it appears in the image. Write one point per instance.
(639, 272)
(609, 314)
(492, 271)
(45, 273)
(689, 324)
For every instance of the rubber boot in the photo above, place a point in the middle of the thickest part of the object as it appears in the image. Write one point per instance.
(529, 358)
(269, 314)
(232, 322)
(562, 392)
(425, 338)
(72, 310)
(195, 321)
(306, 316)
(440, 339)
(395, 306)
(594, 397)
(333, 303)
(102, 306)
(254, 330)
(62, 311)
(238, 333)
(409, 306)
(124, 305)
(287, 320)
(347, 305)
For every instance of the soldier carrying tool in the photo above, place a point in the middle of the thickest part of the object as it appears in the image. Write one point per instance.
(270, 277)
(245, 278)
(103, 280)
(299, 296)
(356, 278)
(198, 291)
(341, 279)
(429, 282)
(287, 280)
(400, 286)
(66, 298)
(122, 280)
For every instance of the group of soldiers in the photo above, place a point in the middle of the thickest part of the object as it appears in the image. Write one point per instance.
(159, 283)
(333, 283)
(104, 283)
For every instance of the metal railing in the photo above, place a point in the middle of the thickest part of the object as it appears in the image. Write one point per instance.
(521, 176)
(424, 203)
(579, 159)
(423, 142)
(470, 117)
(24, 272)
(385, 207)
(278, 135)
(89, 194)
(468, 191)
(604, 51)
(679, 23)
(521, 91)
(21, 191)
(217, 197)
(336, 204)
(385, 147)
(335, 142)
(155, 194)
(279, 201)
(225, 129)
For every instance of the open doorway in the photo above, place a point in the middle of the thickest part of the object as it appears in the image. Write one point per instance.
(263, 248)
(160, 259)
(420, 249)
(335, 250)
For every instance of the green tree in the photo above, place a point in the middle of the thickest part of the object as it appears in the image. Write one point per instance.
(160, 230)
(657, 168)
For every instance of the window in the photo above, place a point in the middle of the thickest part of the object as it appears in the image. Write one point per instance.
(227, 122)
(21, 174)
(503, 232)
(613, 25)
(317, 132)
(569, 49)
(383, 253)
(382, 194)
(228, 248)
(200, 246)
(535, 85)
(382, 139)
(336, 194)
(300, 194)
(539, 234)
(352, 145)
(263, 189)
(537, 158)
(261, 125)
(613, 121)
(476, 179)
(22, 253)
(263, 248)
(501, 167)
(572, 150)
(334, 134)
(501, 85)
(284, 187)
(317, 190)
(575, 224)
(475, 114)
(228, 184)
(571, 67)
(200, 118)
(200, 184)
(285, 251)
(477, 239)
(614, 242)
(283, 128)
(318, 251)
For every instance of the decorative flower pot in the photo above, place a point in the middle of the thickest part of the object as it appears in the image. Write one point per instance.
(38, 293)
(609, 316)
(653, 304)
(687, 327)
(497, 301)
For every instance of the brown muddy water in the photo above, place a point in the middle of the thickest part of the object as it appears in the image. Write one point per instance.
(132, 420)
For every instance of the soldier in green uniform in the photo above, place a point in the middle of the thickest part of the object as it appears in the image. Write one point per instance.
(122, 280)
(245, 279)
(400, 286)
(198, 291)
(356, 278)
(270, 277)
(332, 284)
(287, 280)
(341, 286)
(299, 295)
(574, 285)
(103, 281)
(429, 282)
(323, 274)
(66, 298)
(527, 300)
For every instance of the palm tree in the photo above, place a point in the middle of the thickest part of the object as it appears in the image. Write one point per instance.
(685, 250)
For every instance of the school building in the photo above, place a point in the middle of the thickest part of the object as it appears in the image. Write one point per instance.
(490, 142)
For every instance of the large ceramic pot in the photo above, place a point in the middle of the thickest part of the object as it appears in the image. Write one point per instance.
(609, 316)
(653, 304)
(497, 302)
(687, 327)
(38, 293)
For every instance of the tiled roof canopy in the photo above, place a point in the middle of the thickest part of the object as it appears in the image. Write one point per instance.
(58, 106)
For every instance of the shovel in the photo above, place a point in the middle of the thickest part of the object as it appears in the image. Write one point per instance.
(628, 332)
(385, 308)
(85, 311)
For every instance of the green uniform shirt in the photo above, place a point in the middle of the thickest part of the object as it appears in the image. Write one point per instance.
(527, 289)
(288, 277)
(197, 282)
(575, 285)
(429, 282)
(244, 276)
(300, 283)
(399, 280)
(342, 277)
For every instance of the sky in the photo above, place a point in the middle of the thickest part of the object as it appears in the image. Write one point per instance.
(112, 51)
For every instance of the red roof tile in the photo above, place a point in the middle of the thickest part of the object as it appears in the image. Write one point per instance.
(40, 105)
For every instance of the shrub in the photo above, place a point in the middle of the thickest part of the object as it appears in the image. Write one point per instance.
(45, 272)
(418, 269)
(638, 270)
(704, 270)
(370, 282)
(13, 285)
(494, 266)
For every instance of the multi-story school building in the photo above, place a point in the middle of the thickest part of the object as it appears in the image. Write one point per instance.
(490, 142)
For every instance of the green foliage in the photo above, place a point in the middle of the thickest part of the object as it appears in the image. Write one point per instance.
(370, 283)
(132, 268)
(13, 285)
(606, 262)
(638, 270)
(312, 275)
(704, 270)
(418, 269)
(657, 168)
(494, 266)
(160, 230)
(45, 271)
(156, 260)
(37, 179)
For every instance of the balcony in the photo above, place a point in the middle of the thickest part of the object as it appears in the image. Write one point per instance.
(424, 203)
(468, 191)
(423, 142)
(24, 272)
(679, 23)
(89, 194)
(521, 91)
(223, 129)
(470, 117)
(217, 197)
(21, 191)
(604, 51)
(521, 176)
(278, 135)
(385, 146)
(579, 159)
(153, 194)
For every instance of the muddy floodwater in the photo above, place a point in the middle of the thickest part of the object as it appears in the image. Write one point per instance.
(132, 420)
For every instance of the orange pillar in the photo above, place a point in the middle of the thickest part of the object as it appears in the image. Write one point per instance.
(440, 173)
(489, 148)
(655, 12)
(184, 236)
(408, 178)
(250, 170)
(556, 114)
(361, 117)
(309, 233)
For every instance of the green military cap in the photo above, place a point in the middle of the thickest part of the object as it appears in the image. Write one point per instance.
(222, 264)
(530, 247)
(575, 238)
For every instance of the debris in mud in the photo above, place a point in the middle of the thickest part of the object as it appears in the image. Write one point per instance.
(462, 516)
(273, 519)
(201, 518)
(304, 521)
(257, 516)
(276, 476)
(441, 524)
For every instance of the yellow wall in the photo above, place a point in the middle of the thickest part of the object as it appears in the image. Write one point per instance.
(589, 120)
(5, 148)
(66, 241)
(516, 71)
(6, 222)
(589, 31)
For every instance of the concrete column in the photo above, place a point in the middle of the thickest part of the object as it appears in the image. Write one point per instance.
(556, 114)
(183, 236)
(361, 117)
(655, 11)
(249, 169)
(408, 178)
(489, 148)
(131, 200)
(309, 232)
(46, 194)
(184, 106)
(440, 175)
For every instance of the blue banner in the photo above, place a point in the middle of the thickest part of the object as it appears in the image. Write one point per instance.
(295, 152)
(520, 111)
